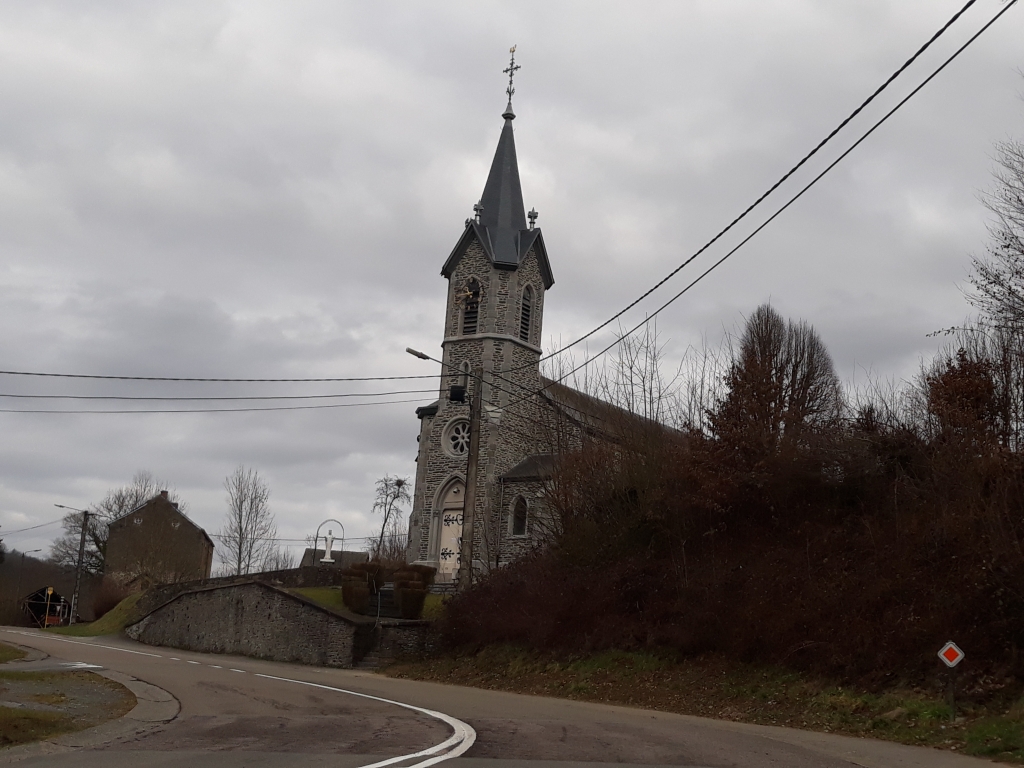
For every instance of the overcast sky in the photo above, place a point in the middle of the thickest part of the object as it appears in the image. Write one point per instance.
(249, 189)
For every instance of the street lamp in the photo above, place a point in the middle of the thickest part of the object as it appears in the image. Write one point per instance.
(81, 559)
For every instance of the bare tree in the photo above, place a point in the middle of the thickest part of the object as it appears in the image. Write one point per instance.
(278, 559)
(392, 547)
(117, 503)
(247, 539)
(392, 492)
(998, 280)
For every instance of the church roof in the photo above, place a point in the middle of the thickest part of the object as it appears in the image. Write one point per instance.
(594, 416)
(501, 229)
(538, 466)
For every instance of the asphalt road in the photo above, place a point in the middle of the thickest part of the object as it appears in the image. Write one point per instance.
(236, 711)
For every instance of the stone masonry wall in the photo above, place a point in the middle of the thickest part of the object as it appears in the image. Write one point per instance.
(307, 576)
(256, 619)
(407, 639)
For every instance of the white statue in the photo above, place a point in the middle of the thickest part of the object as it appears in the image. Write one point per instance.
(330, 543)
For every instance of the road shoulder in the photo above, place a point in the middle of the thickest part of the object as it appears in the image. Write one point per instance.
(154, 708)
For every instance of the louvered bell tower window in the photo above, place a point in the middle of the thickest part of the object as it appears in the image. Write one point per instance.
(471, 308)
(526, 314)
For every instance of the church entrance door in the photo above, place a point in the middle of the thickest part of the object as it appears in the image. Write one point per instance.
(450, 545)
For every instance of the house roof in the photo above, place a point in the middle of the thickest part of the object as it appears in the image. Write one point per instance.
(501, 229)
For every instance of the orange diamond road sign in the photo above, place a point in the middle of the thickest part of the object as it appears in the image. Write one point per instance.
(951, 655)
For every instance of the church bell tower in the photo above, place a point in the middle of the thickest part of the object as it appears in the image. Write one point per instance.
(498, 275)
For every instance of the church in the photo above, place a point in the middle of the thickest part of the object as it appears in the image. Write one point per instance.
(498, 277)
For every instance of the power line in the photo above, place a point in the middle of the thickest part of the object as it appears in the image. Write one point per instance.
(32, 527)
(238, 397)
(218, 410)
(185, 378)
(732, 224)
(480, 378)
(774, 186)
(790, 202)
(297, 541)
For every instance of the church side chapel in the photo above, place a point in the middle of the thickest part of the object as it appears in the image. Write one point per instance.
(498, 277)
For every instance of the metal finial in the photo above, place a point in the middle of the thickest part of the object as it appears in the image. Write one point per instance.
(478, 210)
(532, 216)
(511, 72)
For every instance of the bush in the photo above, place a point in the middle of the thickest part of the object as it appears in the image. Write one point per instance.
(410, 601)
(356, 596)
(110, 593)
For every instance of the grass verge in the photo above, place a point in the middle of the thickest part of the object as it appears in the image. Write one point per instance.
(722, 689)
(21, 726)
(10, 653)
(39, 705)
(328, 597)
(112, 622)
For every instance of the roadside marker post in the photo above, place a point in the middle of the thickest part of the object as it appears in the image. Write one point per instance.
(951, 655)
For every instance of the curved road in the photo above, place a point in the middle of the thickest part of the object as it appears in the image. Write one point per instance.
(237, 711)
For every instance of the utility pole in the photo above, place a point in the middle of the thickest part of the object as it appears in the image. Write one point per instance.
(469, 503)
(78, 571)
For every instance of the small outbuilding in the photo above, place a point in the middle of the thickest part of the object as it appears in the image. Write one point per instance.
(46, 607)
(156, 543)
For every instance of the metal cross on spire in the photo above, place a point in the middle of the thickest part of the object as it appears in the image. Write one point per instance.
(511, 70)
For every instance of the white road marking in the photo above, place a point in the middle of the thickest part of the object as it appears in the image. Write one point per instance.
(80, 665)
(458, 743)
(215, 666)
(80, 642)
(192, 662)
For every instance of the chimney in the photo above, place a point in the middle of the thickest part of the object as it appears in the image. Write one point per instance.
(163, 494)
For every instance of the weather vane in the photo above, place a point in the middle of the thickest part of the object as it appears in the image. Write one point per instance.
(511, 72)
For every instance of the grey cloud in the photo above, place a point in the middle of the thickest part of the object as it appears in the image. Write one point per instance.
(257, 189)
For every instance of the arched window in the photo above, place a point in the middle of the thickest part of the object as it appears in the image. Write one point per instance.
(464, 374)
(519, 514)
(470, 307)
(526, 314)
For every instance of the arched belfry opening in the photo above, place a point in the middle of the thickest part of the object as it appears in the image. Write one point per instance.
(526, 314)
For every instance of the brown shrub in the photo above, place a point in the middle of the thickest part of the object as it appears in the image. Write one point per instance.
(855, 555)
(110, 593)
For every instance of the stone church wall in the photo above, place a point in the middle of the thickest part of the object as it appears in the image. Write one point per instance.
(511, 374)
(538, 521)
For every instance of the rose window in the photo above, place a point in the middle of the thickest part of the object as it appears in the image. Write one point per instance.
(457, 438)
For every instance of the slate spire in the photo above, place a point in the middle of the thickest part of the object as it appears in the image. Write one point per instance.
(500, 223)
(503, 211)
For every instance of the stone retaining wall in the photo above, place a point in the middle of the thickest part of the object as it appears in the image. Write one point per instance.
(256, 619)
(253, 618)
(308, 576)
